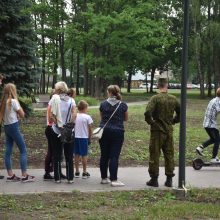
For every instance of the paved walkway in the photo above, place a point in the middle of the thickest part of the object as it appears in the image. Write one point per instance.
(133, 177)
(96, 107)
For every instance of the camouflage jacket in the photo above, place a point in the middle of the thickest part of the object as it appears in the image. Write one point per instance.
(162, 111)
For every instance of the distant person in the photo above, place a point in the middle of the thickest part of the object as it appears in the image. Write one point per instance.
(160, 116)
(113, 135)
(63, 109)
(10, 112)
(83, 133)
(49, 155)
(1, 82)
(71, 93)
(211, 127)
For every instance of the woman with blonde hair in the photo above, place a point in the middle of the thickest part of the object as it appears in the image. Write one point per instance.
(10, 112)
(62, 111)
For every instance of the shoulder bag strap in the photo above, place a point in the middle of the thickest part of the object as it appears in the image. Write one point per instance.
(67, 117)
(112, 115)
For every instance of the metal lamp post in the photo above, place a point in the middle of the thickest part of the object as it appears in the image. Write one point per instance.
(182, 142)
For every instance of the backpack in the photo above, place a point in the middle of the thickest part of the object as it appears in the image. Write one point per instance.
(67, 132)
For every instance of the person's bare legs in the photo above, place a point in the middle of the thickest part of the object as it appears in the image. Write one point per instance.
(10, 173)
(77, 158)
(84, 163)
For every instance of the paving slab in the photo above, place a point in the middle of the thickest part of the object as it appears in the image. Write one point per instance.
(134, 177)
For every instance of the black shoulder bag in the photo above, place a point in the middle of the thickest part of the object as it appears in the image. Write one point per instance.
(67, 132)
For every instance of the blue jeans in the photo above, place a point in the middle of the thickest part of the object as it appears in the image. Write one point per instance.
(13, 134)
(110, 145)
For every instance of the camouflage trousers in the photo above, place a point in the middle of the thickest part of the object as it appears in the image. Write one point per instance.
(160, 141)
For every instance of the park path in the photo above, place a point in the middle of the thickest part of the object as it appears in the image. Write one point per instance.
(96, 107)
(134, 178)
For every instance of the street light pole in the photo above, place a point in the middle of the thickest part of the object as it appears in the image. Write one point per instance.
(182, 141)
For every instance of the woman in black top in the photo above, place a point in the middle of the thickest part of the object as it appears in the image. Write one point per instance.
(113, 135)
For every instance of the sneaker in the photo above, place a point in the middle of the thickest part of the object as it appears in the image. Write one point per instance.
(1, 177)
(48, 177)
(70, 181)
(105, 181)
(57, 181)
(77, 174)
(85, 175)
(28, 178)
(215, 160)
(199, 150)
(13, 178)
(117, 183)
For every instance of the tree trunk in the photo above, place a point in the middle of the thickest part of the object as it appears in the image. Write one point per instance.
(98, 87)
(77, 73)
(71, 67)
(85, 70)
(48, 82)
(130, 72)
(62, 56)
(43, 79)
(152, 80)
(55, 65)
(209, 70)
(200, 73)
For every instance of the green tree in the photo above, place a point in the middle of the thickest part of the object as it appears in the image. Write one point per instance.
(18, 62)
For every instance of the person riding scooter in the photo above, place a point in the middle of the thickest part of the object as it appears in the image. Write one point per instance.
(211, 127)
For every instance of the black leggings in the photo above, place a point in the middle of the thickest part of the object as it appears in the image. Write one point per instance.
(214, 139)
(57, 155)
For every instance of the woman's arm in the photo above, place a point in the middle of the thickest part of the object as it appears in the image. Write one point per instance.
(74, 113)
(126, 116)
(20, 113)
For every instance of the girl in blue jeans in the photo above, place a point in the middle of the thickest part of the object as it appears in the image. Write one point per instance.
(10, 112)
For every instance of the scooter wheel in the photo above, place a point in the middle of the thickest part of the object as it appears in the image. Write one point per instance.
(197, 164)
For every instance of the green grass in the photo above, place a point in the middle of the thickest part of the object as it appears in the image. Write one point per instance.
(90, 100)
(145, 204)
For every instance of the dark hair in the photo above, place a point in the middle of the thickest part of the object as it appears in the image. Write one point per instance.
(82, 105)
(71, 92)
(114, 90)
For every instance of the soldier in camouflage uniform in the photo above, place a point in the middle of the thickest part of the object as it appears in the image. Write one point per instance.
(161, 118)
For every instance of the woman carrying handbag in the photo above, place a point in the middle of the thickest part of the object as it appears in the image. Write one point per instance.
(113, 114)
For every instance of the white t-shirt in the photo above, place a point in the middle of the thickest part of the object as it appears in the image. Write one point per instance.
(81, 127)
(10, 116)
(64, 105)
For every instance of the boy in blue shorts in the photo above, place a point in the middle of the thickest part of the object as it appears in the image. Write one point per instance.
(83, 134)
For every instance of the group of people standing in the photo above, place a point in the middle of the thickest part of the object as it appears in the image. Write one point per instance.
(62, 109)
(162, 112)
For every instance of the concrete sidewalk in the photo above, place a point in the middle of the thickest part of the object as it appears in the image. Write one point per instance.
(134, 177)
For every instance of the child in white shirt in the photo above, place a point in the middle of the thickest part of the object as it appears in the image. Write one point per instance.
(83, 133)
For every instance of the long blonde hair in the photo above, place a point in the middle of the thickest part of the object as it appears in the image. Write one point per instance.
(9, 93)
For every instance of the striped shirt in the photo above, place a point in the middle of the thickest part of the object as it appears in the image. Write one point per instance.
(210, 120)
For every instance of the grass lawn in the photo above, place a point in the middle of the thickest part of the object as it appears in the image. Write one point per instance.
(137, 205)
